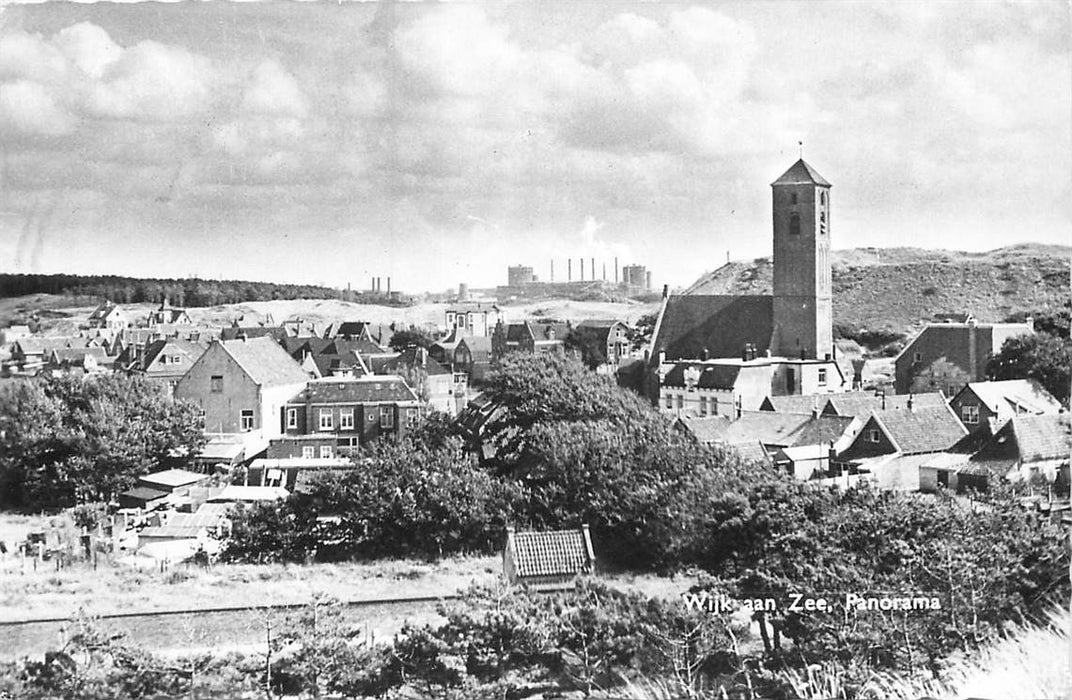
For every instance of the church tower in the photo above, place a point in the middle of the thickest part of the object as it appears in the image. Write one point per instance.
(803, 311)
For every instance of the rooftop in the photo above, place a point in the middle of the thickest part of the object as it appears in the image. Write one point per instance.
(800, 173)
(552, 553)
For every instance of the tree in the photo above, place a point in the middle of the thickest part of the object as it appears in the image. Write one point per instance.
(640, 334)
(410, 337)
(65, 440)
(589, 344)
(1045, 358)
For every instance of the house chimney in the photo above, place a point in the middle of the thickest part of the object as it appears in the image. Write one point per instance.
(882, 395)
(1030, 321)
(705, 354)
(666, 291)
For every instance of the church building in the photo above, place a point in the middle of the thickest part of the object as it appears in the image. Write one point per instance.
(723, 354)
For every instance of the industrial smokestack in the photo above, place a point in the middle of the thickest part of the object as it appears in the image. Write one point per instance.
(604, 270)
(372, 284)
(615, 269)
(581, 261)
(569, 269)
(593, 269)
(552, 269)
(388, 285)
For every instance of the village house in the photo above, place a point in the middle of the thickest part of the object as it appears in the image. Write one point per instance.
(895, 446)
(729, 387)
(86, 360)
(355, 330)
(13, 333)
(109, 317)
(791, 330)
(472, 358)
(354, 412)
(166, 361)
(166, 314)
(429, 379)
(242, 385)
(948, 356)
(611, 337)
(1026, 448)
(529, 336)
(987, 405)
(237, 332)
(469, 319)
(547, 559)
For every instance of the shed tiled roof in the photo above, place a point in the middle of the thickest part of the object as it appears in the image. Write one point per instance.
(720, 324)
(800, 173)
(553, 553)
(378, 389)
(144, 493)
(922, 429)
(797, 403)
(265, 361)
(706, 430)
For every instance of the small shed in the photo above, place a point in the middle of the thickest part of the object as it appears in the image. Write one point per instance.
(547, 558)
(171, 480)
(142, 497)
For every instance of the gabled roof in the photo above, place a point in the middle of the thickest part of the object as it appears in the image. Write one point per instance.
(712, 375)
(552, 553)
(706, 430)
(277, 333)
(476, 344)
(189, 351)
(1029, 439)
(265, 361)
(348, 329)
(411, 358)
(103, 311)
(765, 427)
(720, 324)
(78, 354)
(822, 430)
(602, 323)
(1018, 394)
(800, 173)
(861, 403)
(954, 339)
(795, 403)
(378, 389)
(922, 429)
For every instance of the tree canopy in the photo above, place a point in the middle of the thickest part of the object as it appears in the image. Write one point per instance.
(66, 440)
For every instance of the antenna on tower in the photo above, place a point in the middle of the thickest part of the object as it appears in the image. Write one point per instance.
(800, 145)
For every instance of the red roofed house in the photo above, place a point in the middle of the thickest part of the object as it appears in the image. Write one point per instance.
(547, 558)
(242, 385)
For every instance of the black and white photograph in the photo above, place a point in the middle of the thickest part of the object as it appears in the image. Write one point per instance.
(535, 350)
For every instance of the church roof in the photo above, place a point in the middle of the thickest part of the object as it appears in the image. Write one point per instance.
(721, 324)
(801, 174)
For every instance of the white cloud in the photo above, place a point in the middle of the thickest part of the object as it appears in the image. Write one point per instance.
(89, 47)
(27, 108)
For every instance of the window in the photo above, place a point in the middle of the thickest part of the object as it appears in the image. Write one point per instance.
(703, 405)
(308, 452)
(327, 421)
(872, 436)
(326, 452)
(347, 444)
(794, 224)
(413, 416)
(247, 419)
(387, 416)
(822, 198)
(292, 418)
(346, 419)
(918, 357)
(969, 414)
(669, 401)
(216, 384)
(714, 405)
(822, 376)
(680, 401)
(793, 198)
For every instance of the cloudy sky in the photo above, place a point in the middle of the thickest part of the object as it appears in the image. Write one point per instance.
(438, 143)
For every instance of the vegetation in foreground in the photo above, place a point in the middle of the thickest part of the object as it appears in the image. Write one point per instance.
(570, 448)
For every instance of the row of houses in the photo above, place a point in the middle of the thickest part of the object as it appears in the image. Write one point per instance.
(1009, 430)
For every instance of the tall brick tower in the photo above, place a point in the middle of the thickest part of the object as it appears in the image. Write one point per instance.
(803, 311)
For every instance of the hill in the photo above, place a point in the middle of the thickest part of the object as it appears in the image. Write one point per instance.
(897, 290)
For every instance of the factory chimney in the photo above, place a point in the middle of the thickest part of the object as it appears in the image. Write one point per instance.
(552, 269)
(615, 269)
(569, 269)
(388, 286)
